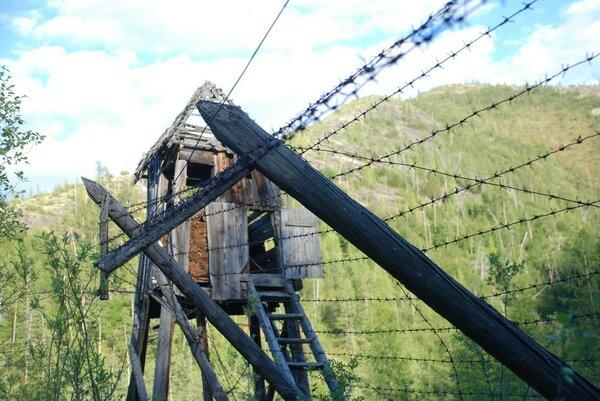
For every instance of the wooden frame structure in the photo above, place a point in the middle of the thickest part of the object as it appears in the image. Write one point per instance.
(233, 239)
(258, 150)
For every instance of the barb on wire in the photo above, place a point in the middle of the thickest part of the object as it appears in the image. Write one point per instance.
(412, 82)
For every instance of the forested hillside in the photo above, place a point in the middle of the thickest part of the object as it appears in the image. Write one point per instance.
(526, 240)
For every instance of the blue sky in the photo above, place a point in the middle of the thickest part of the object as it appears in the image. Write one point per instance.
(101, 72)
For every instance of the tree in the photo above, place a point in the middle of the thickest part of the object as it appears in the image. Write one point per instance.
(14, 141)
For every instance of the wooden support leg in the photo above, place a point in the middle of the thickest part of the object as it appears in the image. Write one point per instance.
(203, 338)
(169, 302)
(141, 324)
(259, 382)
(137, 373)
(160, 389)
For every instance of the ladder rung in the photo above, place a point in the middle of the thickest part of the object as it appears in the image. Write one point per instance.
(274, 296)
(284, 340)
(284, 316)
(305, 365)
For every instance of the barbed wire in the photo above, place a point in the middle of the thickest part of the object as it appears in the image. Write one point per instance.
(452, 13)
(527, 287)
(506, 226)
(454, 175)
(588, 59)
(475, 113)
(456, 240)
(410, 84)
(476, 182)
(432, 360)
(551, 319)
(511, 170)
(442, 393)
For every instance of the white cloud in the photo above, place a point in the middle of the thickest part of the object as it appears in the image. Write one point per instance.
(111, 103)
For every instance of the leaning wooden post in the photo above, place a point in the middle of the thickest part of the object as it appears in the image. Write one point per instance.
(259, 383)
(474, 317)
(138, 375)
(203, 338)
(103, 237)
(196, 295)
(171, 304)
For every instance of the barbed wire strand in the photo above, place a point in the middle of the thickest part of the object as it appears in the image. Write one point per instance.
(436, 23)
(410, 84)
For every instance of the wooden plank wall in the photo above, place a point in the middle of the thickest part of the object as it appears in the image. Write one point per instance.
(300, 250)
(227, 228)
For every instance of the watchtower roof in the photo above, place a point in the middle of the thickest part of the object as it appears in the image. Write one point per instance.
(187, 125)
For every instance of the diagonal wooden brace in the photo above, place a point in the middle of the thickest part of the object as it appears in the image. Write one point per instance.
(196, 295)
(151, 231)
(474, 317)
(169, 301)
(138, 374)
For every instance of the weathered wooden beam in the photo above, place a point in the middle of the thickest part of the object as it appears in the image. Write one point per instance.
(166, 328)
(141, 311)
(474, 317)
(171, 304)
(196, 295)
(165, 222)
(103, 238)
(259, 383)
(162, 365)
(203, 338)
(138, 375)
(139, 333)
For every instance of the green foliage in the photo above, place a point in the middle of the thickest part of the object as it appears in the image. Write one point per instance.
(65, 363)
(14, 141)
(347, 381)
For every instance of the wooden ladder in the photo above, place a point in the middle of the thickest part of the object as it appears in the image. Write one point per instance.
(286, 344)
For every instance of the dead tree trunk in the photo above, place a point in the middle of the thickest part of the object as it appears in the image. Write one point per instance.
(474, 317)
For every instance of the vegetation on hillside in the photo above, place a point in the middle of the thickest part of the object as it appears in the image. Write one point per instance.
(382, 337)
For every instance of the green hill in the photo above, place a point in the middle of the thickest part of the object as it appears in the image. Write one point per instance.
(388, 343)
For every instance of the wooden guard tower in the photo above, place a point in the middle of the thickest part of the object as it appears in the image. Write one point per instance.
(246, 250)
